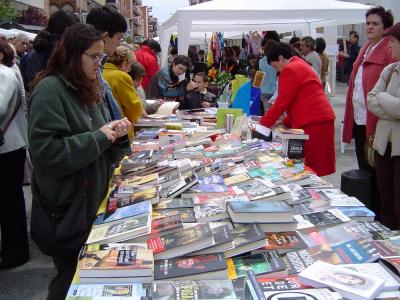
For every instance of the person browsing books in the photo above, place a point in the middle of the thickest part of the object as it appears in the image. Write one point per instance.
(384, 103)
(172, 80)
(115, 71)
(74, 145)
(301, 96)
(198, 96)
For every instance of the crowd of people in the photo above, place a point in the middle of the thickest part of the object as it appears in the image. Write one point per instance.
(83, 89)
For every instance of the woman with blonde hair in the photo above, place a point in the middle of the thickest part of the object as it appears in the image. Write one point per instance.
(115, 71)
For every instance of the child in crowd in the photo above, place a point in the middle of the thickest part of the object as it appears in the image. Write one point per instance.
(198, 96)
(137, 73)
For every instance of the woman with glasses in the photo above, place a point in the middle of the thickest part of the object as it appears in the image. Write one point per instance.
(74, 145)
(115, 71)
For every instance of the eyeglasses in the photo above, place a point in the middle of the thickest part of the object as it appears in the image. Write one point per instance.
(96, 57)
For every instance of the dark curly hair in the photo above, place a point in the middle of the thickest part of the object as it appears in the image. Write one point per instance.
(66, 60)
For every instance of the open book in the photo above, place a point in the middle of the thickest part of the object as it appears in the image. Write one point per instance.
(166, 109)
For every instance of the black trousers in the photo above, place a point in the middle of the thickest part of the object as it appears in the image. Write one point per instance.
(359, 134)
(14, 233)
(59, 285)
(388, 177)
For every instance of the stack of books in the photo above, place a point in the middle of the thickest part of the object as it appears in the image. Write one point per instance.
(212, 206)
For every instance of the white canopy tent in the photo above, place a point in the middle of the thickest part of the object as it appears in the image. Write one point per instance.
(243, 16)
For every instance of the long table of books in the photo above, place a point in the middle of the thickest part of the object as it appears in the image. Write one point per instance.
(196, 213)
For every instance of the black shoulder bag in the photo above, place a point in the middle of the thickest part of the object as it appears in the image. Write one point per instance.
(61, 231)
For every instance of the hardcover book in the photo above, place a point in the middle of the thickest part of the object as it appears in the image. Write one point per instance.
(260, 211)
(191, 267)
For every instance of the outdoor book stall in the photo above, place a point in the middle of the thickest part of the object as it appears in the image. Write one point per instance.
(198, 213)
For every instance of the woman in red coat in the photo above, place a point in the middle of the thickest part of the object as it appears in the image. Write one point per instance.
(373, 57)
(301, 96)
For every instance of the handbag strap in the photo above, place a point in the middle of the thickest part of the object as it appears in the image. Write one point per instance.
(13, 115)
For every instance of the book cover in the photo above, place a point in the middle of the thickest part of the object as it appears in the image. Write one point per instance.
(280, 241)
(131, 180)
(128, 211)
(194, 290)
(358, 213)
(166, 224)
(377, 270)
(297, 261)
(187, 214)
(211, 179)
(235, 179)
(386, 248)
(255, 207)
(120, 230)
(348, 283)
(279, 283)
(117, 202)
(356, 252)
(260, 211)
(320, 219)
(188, 265)
(210, 212)
(267, 262)
(246, 234)
(222, 237)
(377, 230)
(173, 203)
(179, 238)
(117, 260)
(207, 188)
(315, 294)
(179, 187)
(131, 291)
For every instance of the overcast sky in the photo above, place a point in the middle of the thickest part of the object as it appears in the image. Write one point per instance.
(162, 9)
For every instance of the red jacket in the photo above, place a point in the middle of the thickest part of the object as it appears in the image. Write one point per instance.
(372, 68)
(146, 57)
(301, 96)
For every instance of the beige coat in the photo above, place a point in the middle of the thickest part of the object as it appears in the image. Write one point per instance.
(385, 104)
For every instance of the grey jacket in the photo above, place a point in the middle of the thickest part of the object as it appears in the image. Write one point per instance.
(16, 136)
(384, 102)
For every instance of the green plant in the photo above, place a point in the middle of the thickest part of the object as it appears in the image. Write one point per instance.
(7, 11)
(223, 79)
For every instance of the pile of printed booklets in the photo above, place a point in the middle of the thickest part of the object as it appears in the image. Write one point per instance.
(195, 213)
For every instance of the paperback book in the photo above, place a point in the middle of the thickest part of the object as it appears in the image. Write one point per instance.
(181, 242)
(350, 284)
(209, 266)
